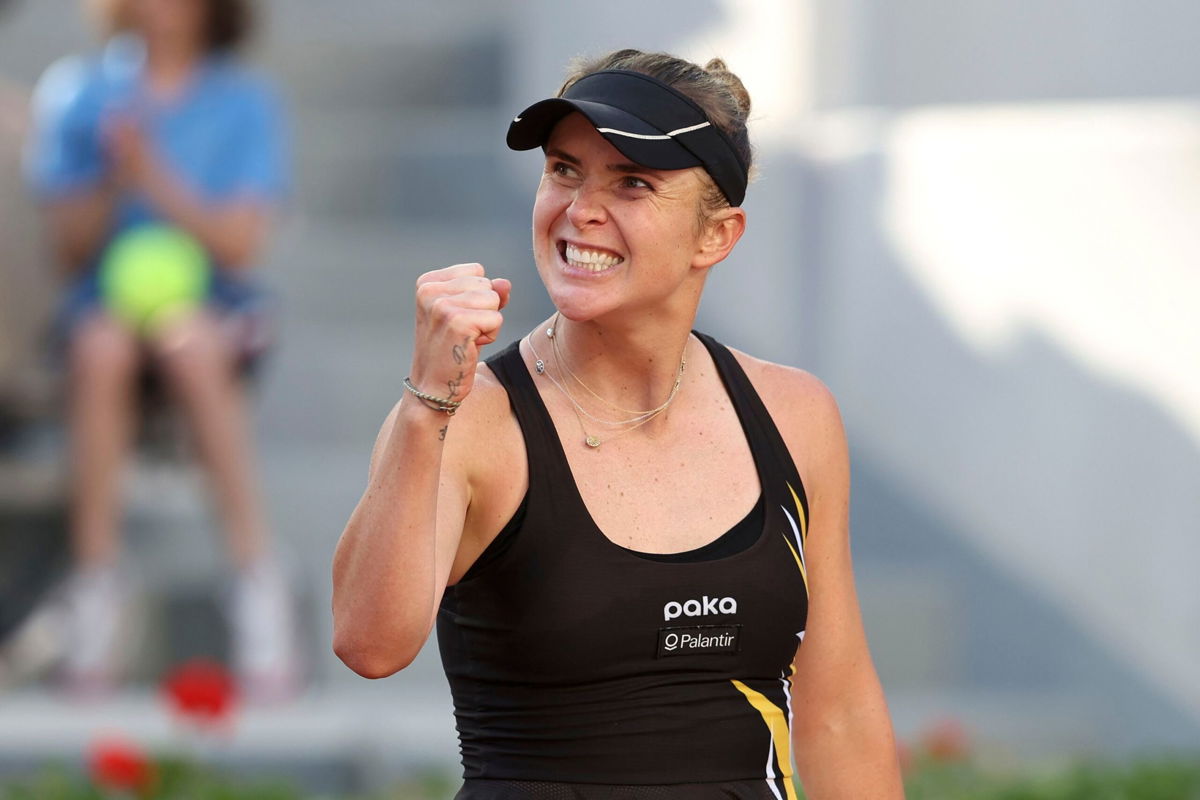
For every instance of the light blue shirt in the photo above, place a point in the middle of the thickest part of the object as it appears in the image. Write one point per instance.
(223, 135)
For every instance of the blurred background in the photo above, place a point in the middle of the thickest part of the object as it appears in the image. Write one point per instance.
(976, 221)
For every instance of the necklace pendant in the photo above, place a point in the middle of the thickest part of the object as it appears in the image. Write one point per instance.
(540, 366)
(592, 441)
(550, 332)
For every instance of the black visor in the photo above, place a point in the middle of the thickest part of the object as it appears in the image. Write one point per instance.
(651, 124)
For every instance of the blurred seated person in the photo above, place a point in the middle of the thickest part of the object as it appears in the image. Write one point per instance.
(163, 127)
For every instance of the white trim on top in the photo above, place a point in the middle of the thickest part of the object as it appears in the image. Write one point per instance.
(666, 135)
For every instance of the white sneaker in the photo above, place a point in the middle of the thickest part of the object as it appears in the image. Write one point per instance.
(96, 625)
(263, 628)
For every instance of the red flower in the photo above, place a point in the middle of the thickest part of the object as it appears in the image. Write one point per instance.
(120, 765)
(947, 740)
(202, 691)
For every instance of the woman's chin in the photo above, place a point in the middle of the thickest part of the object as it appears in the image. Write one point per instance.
(576, 308)
(575, 302)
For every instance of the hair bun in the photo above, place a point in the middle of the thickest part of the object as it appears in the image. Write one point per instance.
(717, 69)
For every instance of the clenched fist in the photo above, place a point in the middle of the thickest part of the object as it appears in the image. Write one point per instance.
(458, 311)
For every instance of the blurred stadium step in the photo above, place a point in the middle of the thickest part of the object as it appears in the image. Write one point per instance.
(324, 742)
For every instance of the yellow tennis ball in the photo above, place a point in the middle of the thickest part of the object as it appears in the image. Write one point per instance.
(152, 272)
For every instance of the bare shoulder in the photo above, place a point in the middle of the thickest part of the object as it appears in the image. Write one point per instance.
(488, 401)
(484, 440)
(484, 429)
(804, 410)
(797, 393)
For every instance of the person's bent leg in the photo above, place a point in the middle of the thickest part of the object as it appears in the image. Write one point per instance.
(104, 362)
(199, 368)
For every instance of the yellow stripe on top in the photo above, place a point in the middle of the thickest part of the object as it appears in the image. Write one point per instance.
(800, 515)
(780, 734)
(799, 563)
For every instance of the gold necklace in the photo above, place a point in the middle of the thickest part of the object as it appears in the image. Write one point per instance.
(561, 363)
(589, 439)
(560, 359)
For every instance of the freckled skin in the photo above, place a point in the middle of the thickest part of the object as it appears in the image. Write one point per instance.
(647, 217)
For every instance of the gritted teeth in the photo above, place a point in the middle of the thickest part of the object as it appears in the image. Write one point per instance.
(586, 258)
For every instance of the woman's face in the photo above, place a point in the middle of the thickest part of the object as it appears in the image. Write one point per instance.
(170, 20)
(609, 234)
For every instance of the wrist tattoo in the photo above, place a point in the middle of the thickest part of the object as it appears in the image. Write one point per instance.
(454, 383)
(459, 351)
(442, 433)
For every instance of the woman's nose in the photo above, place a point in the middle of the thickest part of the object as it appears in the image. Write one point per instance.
(587, 207)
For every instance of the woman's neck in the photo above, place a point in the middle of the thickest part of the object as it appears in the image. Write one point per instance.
(633, 366)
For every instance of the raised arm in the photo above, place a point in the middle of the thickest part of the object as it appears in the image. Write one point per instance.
(395, 555)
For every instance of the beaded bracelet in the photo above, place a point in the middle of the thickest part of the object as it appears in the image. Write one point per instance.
(436, 403)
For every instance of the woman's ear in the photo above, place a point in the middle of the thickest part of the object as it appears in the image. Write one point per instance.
(718, 236)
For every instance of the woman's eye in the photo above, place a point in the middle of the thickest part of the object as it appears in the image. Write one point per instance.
(559, 168)
(631, 182)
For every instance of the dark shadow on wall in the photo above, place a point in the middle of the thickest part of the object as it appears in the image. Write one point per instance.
(1008, 638)
(986, 421)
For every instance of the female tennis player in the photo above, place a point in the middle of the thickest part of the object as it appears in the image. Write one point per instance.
(633, 539)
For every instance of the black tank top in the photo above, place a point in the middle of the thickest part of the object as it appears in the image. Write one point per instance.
(583, 669)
